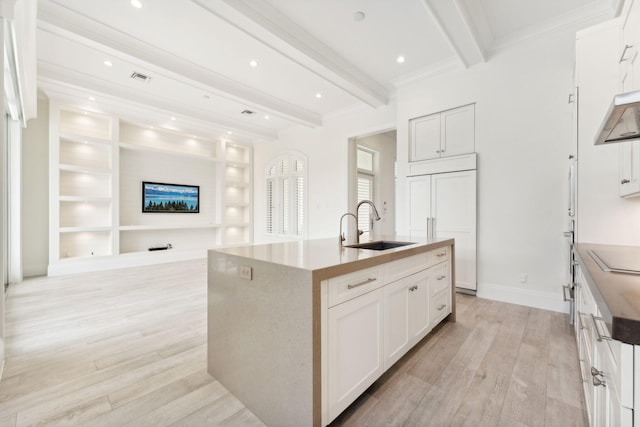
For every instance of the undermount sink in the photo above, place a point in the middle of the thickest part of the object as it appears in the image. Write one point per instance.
(380, 245)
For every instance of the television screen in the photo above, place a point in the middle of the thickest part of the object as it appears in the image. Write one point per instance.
(170, 198)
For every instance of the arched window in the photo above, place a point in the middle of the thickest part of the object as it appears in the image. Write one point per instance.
(286, 195)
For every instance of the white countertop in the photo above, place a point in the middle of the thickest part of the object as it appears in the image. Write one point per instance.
(326, 254)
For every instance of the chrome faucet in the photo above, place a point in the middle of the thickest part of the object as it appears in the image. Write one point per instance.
(376, 216)
(341, 237)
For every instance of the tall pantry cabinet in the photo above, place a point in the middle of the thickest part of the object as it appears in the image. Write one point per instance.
(443, 206)
(441, 185)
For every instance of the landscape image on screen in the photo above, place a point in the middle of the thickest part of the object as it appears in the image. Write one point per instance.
(170, 198)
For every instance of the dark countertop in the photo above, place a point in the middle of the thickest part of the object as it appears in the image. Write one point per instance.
(617, 295)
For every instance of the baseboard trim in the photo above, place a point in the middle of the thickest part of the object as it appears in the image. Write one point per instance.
(136, 259)
(552, 301)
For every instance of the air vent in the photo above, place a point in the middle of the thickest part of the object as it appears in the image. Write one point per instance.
(248, 112)
(140, 77)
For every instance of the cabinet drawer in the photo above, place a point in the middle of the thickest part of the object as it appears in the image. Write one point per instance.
(404, 267)
(440, 278)
(439, 255)
(440, 307)
(343, 288)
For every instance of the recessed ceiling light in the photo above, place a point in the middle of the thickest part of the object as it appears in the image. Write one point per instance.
(253, 63)
(358, 16)
(400, 59)
(318, 95)
(108, 63)
(136, 3)
(91, 98)
(173, 119)
(266, 117)
(229, 132)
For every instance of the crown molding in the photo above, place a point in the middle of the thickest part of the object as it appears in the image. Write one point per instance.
(266, 24)
(89, 31)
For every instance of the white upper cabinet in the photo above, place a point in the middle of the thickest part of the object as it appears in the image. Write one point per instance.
(630, 49)
(630, 81)
(444, 134)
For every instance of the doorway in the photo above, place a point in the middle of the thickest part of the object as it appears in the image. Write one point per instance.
(372, 173)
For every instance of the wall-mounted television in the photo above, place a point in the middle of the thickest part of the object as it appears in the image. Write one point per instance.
(158, 197)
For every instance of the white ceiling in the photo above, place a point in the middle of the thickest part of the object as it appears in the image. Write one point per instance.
(197, 53)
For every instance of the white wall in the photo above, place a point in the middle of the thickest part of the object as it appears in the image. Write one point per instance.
(326, 149)
(523, 134)
(35, 193)
(523, 139)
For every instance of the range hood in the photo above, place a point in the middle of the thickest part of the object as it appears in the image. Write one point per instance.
(622, 121)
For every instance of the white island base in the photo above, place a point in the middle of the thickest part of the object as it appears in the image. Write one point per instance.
(298, 330)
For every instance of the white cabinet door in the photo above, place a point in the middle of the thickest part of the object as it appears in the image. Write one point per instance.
(424, 134)
(629, 62)
(443, 134)
(406, 315)
(355, 359)
(396, 321)
(630, 168)
(449, 201)
(419, 204)
(453, 207)
(458, 131)
(418, 287)
(630, 81)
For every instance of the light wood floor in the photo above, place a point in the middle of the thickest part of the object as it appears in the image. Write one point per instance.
(128, 348)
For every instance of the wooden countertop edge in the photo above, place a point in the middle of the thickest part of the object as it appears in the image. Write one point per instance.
(383, 258)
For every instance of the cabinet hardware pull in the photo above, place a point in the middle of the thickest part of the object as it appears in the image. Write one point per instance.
(597, 381)
(625, 181)
(566, 293)
(570, 102)
(364, 282)
(441, 307)
(624, 52)
(441, 254)
(599, 335)
(441, 277)
(580, 315)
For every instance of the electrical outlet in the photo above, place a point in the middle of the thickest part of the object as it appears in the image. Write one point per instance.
(523, 277)
(246, 272)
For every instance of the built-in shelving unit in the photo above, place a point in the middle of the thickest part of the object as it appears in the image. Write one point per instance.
(237, 217)
(98, 164)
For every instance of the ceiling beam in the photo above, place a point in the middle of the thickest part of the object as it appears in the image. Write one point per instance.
(457, 25)
(265, 23)
(180, 69)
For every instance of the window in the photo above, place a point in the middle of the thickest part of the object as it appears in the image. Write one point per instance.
(286, 192)
(366, 159)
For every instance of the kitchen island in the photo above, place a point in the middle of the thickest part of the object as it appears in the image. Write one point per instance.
(298, 330)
